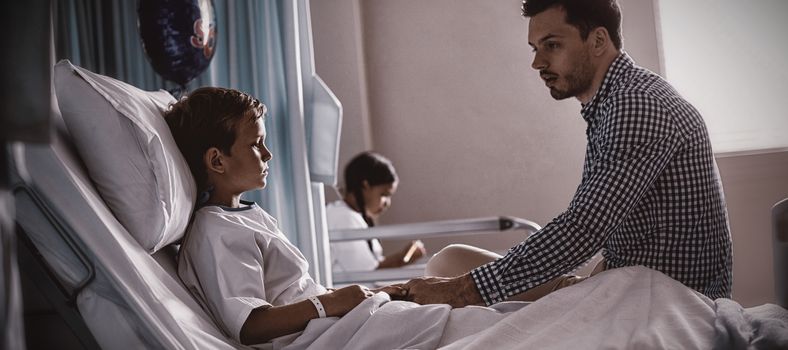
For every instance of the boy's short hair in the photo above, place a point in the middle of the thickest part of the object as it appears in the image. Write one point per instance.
(585, 15)
(209, 117)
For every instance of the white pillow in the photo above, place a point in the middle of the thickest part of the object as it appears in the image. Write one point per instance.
(129, 152)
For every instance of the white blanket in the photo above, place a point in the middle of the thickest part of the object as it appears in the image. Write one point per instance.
(379, 323)
(625, 308)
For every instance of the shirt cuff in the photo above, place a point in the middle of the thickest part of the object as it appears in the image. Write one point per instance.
(486, 282)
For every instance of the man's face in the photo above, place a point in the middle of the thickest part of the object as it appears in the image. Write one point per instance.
(560, 55)
(247, 163)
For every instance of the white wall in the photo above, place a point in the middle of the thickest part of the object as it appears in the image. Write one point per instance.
(444, 88)
(339, 60)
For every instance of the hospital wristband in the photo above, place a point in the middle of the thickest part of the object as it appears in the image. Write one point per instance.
(321, 311)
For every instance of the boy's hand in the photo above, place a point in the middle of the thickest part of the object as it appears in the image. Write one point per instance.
(341, 301)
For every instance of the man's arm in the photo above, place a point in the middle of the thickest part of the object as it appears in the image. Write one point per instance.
(635, 145)
(634, 142)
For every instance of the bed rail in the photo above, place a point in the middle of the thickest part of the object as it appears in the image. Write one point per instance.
(430, 229)
(434, 228)
(24, 193)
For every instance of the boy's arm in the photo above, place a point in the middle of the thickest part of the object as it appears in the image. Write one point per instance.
(264, 324)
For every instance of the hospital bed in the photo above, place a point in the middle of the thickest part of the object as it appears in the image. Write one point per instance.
(420, 230)
(125, 296)
(112, 291)
(115, 294)
(106, 282)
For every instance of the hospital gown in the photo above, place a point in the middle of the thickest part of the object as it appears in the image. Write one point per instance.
(351, 255)
(236, 260)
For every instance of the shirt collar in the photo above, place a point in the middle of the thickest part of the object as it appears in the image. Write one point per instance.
(245, 205)
(622, 63)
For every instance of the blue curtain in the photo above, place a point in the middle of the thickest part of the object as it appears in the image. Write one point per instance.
(250, 55)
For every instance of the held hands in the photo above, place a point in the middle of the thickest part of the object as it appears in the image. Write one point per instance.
(341, 301)
(456, 291)
(395, 291)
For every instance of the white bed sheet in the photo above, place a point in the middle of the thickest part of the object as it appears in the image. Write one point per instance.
(627, 308)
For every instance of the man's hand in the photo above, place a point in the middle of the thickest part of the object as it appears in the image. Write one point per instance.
(455, 291)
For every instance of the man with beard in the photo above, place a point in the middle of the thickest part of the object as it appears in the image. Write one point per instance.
(650, 193)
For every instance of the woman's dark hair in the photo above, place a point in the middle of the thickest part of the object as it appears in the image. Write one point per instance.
(585, 15)
(209, 117)
(373, 168)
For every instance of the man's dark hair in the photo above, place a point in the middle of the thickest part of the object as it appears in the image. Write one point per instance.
(585, 15)
(209, 117)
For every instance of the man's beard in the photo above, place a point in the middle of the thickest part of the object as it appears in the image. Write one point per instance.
(578, 80)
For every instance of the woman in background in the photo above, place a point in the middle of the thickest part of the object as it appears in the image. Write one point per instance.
(370, 181)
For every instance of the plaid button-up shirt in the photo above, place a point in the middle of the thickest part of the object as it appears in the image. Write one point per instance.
(650, 195)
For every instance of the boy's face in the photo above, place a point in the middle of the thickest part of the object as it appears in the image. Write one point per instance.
(247, 164)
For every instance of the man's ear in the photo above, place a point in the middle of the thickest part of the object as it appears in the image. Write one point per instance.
(600, 40)
(214, 160)
(365, 185)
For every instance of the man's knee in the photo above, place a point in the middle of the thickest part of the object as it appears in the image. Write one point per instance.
(449, 254)
(457, 259)
(454, 250)
(436, 265)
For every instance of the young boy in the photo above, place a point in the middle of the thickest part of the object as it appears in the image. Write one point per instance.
(234, 259)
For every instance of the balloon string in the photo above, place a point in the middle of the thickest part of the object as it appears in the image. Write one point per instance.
(178, 91)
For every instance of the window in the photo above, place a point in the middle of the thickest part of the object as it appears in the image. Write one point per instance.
(730, 59)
